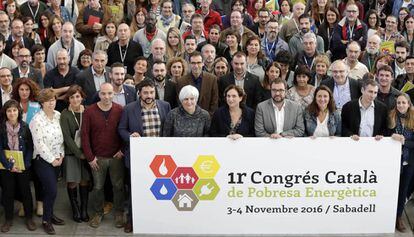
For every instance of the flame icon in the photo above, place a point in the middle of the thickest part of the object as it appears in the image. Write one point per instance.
(163, 190)
(163, 169)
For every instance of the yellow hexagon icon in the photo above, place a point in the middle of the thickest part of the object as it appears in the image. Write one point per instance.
(206, 166)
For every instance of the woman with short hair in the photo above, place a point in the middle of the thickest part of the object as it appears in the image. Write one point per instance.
(48, 154)
(189, 119)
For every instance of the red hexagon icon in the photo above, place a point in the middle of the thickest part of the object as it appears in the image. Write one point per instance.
(163, 166)
(184, 177)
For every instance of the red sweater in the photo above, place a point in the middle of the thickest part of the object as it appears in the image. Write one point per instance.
(99, 135)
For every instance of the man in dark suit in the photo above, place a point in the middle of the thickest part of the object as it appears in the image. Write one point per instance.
(344, 89)
(17, 31)
(165, 89)
(92, 78)
(241, 77)
(365, 117)
(24, 70)
(205, 82)
(142, 118)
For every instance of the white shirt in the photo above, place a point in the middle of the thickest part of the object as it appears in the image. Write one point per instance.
(358, 71)
(398, 70)
(321, 129)
(119, 97)
(280, 118)
(24, 75)
(98, 80)
(5, 96)
(366, 126)
(47, 136)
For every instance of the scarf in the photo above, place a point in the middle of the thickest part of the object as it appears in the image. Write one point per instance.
(166, 21)
(13, 136)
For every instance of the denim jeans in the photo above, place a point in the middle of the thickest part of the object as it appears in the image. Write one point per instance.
(116, 173)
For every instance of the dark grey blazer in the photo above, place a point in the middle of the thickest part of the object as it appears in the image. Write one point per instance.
(34, 74)
(85, 80)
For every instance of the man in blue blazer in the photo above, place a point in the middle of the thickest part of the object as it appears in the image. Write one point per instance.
(142, 118)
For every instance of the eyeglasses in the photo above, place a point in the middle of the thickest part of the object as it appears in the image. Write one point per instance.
(278, 90)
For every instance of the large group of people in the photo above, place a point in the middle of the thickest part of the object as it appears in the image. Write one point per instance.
(79, 78)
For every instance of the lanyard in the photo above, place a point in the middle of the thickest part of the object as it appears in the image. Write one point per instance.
(31, 11)
(307, 64)
(76, 120)
(351, 32)
(123, 56)
(297, 27)
(269, 51)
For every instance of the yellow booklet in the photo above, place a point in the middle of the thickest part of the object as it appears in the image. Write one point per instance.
(387, 47)
(17, 156)
(408, 86)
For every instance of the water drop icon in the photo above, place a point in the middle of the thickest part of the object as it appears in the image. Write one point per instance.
(163, 190)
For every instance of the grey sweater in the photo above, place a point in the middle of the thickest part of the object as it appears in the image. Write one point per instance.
(179, 123)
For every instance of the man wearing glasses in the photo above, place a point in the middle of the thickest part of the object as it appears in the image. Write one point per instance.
(343, 88)
(278, 117)
(350, 28)
(24, 70)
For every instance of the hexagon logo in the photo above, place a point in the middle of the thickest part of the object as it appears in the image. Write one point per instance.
(163, 189)
(163, 166)
(206, 166)
(206, 189)
(185, 200)
(184, 178)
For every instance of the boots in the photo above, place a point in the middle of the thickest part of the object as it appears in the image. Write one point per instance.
(73, 198)
(84, 193)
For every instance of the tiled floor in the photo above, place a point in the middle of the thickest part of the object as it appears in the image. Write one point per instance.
(62, 210)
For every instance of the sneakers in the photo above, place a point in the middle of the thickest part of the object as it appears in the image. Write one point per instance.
(119, 220)
(96, 221)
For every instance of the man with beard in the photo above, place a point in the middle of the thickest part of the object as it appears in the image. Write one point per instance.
(372, 51)
(357, 70)
(408, 76)
(213, 39)
(241, 77)
(350, 28)
(271, 42)
(296, 42)
(142, 118)
(124, 50)
(187, 12)
(259, 28)
(24, 70)
(165, 89)
(402, 50)
(190, 46)
(123, 94)
(206, 83)
(146, 35)
(33, 9)
(208, 52)
(278, 117)
(386, 93)
(61, 78)
(67, 42)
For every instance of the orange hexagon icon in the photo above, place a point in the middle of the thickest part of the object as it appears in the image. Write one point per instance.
(163, 166)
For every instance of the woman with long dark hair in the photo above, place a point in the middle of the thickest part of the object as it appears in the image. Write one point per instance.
(401, 124)
(15, 137)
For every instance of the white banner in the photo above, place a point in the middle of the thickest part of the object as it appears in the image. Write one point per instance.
(264, 186)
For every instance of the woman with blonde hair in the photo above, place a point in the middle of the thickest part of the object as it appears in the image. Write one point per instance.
(176, 68)
(320, 69)
(175, 45)
(401, 124)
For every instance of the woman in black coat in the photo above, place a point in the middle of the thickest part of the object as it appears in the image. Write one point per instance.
(233, 120)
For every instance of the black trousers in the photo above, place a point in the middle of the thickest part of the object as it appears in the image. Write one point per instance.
(16, 181)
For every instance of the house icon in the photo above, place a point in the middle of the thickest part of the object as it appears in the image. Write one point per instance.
(184, 201)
